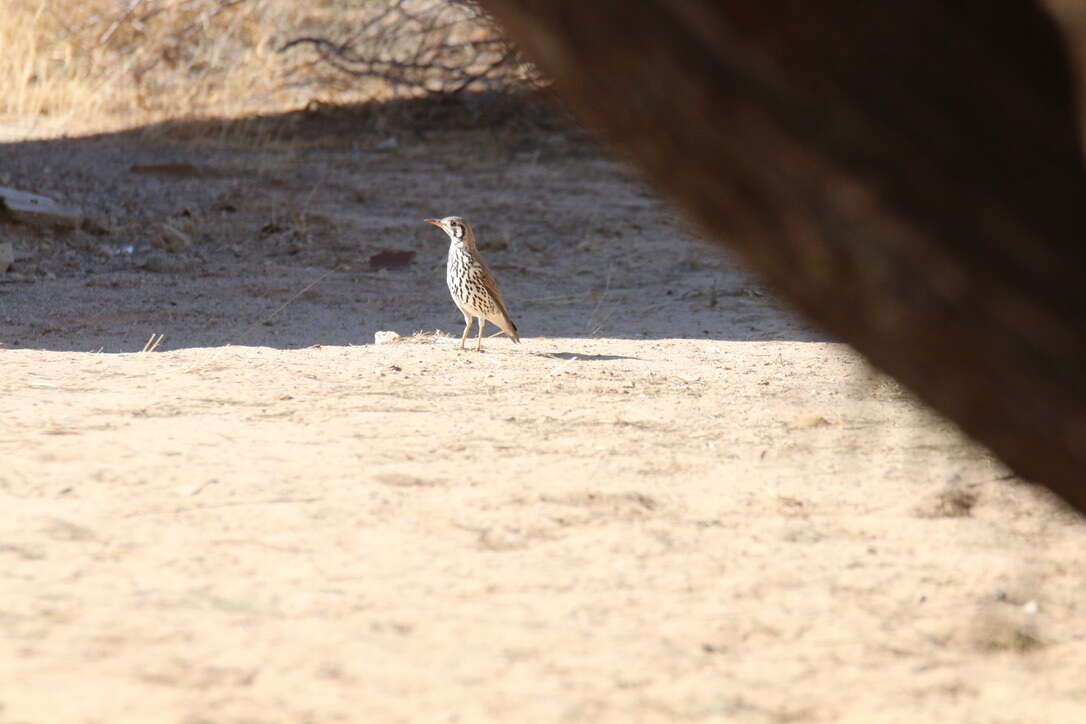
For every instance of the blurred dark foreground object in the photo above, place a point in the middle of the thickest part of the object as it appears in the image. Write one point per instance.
(907, 172)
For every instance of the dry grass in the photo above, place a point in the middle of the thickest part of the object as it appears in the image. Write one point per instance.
(81, 65)
(152, 343)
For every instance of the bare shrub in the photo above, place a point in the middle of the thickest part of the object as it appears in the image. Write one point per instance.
(425, 45)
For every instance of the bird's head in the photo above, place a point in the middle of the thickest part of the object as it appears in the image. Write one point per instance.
(458, 230)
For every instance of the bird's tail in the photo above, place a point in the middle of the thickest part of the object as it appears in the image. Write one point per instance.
(508, 327)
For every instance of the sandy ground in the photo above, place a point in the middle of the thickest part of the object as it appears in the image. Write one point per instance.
(672, 502)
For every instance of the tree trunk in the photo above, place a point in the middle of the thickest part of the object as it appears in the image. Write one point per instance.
(907, 173)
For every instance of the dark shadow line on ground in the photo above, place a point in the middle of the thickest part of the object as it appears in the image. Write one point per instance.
(581, 357)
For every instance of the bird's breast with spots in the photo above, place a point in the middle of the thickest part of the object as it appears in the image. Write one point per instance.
(465, 276)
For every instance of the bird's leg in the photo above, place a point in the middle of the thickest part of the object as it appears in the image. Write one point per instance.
(467, 328)
(479, 341)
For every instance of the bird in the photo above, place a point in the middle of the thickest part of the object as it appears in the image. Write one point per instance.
(473, 288)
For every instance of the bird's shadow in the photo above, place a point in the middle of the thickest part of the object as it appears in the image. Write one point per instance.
(582, 357)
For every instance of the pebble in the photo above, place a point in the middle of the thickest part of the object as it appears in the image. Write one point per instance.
(385, 337)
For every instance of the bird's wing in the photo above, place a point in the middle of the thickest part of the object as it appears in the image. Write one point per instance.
(491, 285)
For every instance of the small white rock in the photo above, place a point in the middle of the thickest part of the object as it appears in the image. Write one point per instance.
(1031, 608)
(385, 337)
(7, 256)
(38, 210)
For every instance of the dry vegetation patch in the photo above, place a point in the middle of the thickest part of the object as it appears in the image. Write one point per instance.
(95, 64)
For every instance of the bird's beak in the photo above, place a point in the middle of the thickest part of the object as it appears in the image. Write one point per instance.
(435, 222)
